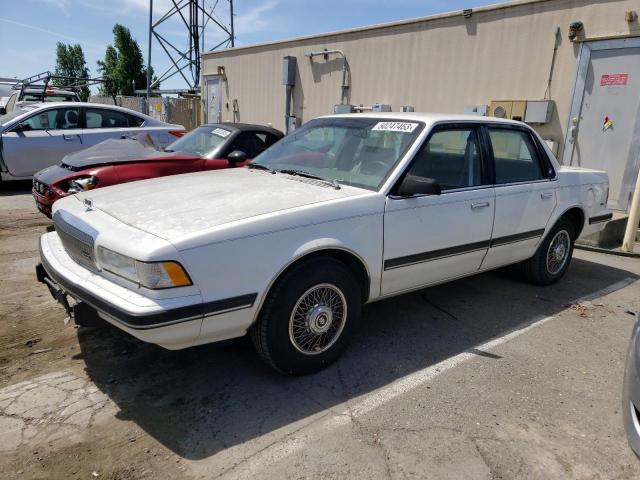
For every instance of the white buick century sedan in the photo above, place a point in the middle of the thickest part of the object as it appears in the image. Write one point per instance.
(347, 210)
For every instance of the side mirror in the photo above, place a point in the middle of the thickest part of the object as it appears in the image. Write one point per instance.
(237, 156)
(3, 111)
(413, 185)
(21, 127)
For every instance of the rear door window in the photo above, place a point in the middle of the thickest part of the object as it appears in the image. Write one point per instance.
(515, 155)
(106, 118)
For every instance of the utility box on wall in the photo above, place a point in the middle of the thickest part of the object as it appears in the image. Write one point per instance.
(289, 67)
(510, 109)
(380, 107)
(539, 111)
(528, 111)
(292, 123)
(343, 108)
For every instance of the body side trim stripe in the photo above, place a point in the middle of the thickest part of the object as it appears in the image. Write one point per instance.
(460, 249)
(434, 255)
(518, 237)
(600, 218)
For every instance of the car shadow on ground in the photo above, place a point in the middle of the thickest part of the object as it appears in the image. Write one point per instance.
(202, 400)
(16, 187)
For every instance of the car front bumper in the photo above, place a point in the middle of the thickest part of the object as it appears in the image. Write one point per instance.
(45, 202)
(631, 391)
(173, 323)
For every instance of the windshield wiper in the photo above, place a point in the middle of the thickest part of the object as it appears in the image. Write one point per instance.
(302, 173)
(258, 166)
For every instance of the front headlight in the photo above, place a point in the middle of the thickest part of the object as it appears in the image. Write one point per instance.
(154, 275)
(82, 184)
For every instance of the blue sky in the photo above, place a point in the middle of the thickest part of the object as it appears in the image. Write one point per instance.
(29, 29)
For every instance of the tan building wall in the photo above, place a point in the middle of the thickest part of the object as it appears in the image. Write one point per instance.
(439, 63)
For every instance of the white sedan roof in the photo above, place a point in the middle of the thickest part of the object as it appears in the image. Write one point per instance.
(426, 117)
(29, 108)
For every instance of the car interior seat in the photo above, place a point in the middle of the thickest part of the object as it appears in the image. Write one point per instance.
(71, 119)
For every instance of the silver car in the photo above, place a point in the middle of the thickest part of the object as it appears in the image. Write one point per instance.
(35, 136)
(631, 391)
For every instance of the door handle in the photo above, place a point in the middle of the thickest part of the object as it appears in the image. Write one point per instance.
(546, 194)
(68, 138)
(480, 205)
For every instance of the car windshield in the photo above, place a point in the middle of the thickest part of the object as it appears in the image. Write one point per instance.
(13, 114)
(360, 152)
(201, 141)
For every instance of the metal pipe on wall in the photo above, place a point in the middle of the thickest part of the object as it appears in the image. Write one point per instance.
(326, 53)
(287, 107)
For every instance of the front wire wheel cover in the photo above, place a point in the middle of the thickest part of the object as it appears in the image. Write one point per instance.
(317, 319)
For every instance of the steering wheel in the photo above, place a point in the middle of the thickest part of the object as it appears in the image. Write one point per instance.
(373, 167)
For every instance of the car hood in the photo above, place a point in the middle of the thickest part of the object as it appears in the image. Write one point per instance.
(181, 206)
(115, 150)
(53, 174)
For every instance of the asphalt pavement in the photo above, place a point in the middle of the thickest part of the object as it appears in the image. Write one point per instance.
(485, 377)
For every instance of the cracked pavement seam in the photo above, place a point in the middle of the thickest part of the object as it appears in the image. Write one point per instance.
(46, 408)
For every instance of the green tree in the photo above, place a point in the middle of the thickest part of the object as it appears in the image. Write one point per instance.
(70, 63)
(123, 65)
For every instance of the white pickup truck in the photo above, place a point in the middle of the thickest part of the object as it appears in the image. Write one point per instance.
(347, 210)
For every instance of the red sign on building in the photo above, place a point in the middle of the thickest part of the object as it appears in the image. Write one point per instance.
(614, 79)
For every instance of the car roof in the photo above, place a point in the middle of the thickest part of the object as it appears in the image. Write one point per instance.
(35, 106)
(426, 117)
(244, 127)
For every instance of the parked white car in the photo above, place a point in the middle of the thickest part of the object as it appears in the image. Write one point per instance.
(347, 210)
(37, 135)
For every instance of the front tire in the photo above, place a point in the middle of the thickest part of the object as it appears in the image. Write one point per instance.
(552, 259)
(309, 317)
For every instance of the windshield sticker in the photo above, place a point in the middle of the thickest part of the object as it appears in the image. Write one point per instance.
(395, 127)
(221, 132)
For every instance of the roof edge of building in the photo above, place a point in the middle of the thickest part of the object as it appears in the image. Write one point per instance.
(377, 26)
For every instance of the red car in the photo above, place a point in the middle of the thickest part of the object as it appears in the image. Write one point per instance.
(208, 147)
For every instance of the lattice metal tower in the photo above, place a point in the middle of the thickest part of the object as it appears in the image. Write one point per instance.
(197, 17)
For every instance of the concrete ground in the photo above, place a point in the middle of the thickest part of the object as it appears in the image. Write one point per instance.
(486, 377)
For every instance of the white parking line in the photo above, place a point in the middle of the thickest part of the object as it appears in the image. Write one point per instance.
(368, 402)
(405, 384)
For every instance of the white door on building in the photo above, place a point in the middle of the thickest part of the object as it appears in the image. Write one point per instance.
(604, 128)
(212, 100)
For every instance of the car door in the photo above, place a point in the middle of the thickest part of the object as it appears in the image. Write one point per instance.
(429, 239)
(525, 194)
(41, 140)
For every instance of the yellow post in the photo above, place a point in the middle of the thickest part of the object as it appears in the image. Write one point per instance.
(632, 221)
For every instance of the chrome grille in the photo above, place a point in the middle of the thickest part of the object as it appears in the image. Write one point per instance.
(78, 244)
(41, 188)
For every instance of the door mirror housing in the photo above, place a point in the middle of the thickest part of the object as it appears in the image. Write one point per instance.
(413, 185)
(22, 127)
(3, 111)
(237, 156)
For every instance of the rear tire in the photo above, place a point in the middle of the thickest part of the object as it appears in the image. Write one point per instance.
(309, 317)
(553, 256)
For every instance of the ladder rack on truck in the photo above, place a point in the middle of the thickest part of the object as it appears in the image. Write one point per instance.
(43, 80)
